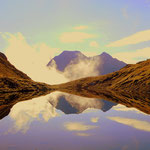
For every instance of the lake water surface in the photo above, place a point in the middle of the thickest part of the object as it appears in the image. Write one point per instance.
(60, 121)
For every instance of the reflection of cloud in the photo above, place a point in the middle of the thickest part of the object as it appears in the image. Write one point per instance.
(78, 126)
(82, 134)
(137, 124)
(81, 27)
(136, 38)
(27, 57)
(120, 107)
(94, 44)
(130, 57)
(24, 113)
(94, 119)
(75, 37)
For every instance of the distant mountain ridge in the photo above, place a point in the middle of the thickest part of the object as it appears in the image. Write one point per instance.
(107, 63)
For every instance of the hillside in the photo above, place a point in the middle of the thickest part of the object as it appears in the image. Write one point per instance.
(12, 80)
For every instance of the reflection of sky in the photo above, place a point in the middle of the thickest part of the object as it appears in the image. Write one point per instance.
(117, 129)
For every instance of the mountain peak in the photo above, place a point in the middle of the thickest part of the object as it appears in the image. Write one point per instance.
(70, 52)
(104, 54)
(65, 58)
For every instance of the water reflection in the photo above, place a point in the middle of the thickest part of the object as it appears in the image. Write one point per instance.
(24, 113)
(135, 123)
(63, 121)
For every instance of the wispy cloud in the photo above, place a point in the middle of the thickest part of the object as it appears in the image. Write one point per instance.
(82, 69)
(133, 57)
(75, 37)
(94, 44)
(78, 126)
(136, 38)
(137, 124)
(81, 27)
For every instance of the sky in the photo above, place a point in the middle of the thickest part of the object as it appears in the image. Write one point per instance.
(118, 27)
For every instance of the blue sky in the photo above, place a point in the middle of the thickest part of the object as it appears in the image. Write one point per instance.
(91, 26)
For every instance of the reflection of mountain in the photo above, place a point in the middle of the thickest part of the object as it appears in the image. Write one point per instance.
(103, 63)
(72, 104)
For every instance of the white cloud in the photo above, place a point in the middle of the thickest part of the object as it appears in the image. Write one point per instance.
(82, 69)
(133, 57)
(81, 27)
(94, 44)
(75, 37)
(32, 59)
(136, 38)
(137, 124)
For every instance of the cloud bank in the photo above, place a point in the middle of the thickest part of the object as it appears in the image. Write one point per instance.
(32, 59)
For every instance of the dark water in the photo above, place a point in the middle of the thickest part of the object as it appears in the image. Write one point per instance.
(61, 121)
